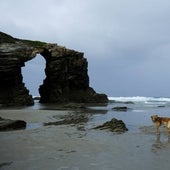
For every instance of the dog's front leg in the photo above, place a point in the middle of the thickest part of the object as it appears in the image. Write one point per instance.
(168, 127)
(157, 130)
(158, 124)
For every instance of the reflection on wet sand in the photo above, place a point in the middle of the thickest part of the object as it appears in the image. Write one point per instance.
(160, 144)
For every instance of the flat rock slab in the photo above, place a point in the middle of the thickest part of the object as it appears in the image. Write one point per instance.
(7, 124)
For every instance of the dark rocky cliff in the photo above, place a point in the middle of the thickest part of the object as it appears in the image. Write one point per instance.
(66, 73)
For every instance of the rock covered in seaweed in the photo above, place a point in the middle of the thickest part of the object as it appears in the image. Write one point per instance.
(114, 126)
(120, 108)
(7, 124)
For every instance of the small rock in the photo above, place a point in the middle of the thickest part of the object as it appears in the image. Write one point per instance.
(124, 108)
(7, 124)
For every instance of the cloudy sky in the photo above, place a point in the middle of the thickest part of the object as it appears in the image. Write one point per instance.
(126, 42)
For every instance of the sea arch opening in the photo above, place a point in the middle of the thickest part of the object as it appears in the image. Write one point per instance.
(33, 74)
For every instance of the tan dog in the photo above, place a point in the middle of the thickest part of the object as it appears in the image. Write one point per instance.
(159, 121)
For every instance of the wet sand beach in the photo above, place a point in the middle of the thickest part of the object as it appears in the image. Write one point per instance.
(70, 147)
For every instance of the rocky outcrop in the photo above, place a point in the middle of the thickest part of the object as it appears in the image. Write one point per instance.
(66, 72)
(114, 125)
(7, 124)
(74, 118)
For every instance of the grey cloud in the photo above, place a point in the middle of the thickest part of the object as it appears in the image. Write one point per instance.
(125, 41)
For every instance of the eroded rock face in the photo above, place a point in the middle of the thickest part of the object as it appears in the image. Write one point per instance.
(12, 58)
(66, 73)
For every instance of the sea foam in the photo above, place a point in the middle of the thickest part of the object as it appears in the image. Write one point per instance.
(140, 99)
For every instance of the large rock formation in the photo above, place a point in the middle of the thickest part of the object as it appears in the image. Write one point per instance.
(66, 73)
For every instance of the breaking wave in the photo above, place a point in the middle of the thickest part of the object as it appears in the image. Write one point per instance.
(135, 99)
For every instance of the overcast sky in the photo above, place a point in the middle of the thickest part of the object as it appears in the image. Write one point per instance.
(126, 42)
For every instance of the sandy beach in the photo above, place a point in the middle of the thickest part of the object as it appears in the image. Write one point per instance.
(69, 147)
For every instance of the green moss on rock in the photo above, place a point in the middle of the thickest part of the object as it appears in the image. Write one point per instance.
(6, 38)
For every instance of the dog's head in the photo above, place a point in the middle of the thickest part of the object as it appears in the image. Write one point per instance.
(154, 118)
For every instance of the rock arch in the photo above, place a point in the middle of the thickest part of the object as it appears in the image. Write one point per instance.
(66, 72)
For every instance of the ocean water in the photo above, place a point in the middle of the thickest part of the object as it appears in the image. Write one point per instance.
(138, 113)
